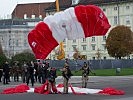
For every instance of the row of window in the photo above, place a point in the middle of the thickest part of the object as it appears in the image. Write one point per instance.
(127, 20)
(93, 47)
(117, 8)
(15, 31)
(17, 43)
(93, 39)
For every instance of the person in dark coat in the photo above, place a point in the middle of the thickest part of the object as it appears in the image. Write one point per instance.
(51, 76)
(30, 73)
(44, 72)
(6, 71)
(1, 72)
(36, 71)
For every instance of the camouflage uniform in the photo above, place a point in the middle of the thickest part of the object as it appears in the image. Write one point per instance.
(85, 74)
(24, 72)
(16, 72)
(66, 73)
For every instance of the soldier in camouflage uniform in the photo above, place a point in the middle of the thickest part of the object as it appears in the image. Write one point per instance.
(16, 72)
(66, 73)
(85, 72)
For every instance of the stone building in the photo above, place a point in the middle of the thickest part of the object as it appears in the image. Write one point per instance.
(13, 32)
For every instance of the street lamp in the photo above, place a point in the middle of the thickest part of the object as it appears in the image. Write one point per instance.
(13, 38)
(9, 45)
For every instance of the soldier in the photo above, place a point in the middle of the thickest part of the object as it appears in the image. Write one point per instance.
(51, 79)
(66, 73)
(16, 72)
(6, 72)
(24, 72)
(85, 72)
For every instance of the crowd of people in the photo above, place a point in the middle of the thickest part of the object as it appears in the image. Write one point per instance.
(42, 73)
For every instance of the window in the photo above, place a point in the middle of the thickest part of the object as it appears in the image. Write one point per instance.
(74, 2)
(104, 57)
(25, 42)
(16, 31)
(64, 40)
(93, 46)
(127, 20)
(40, 16)
(17, 42)
(93, 58)
(127, 7)
(128, 57)
(93, 39)
(115, 8)
(104, 9)
(104, 38)
(74, 41)
(115, 20)
(10, 41)
(25, 16)
(74, 47)
(1, 38)
(84, 47)
(84, 39)
(104, 46)
(132, 56)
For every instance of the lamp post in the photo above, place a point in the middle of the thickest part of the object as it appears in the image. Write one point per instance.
(13, 38)
(9, 44)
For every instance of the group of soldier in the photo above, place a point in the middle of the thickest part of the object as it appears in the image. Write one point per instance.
(42, 73)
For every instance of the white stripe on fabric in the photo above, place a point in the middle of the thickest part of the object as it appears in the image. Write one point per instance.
(65, 25)
(52, 22)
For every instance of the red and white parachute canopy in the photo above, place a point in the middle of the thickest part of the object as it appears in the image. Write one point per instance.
(73, 23)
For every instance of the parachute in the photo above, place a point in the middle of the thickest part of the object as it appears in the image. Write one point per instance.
(73, 23)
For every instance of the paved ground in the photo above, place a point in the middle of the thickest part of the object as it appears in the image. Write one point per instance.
(124, 83)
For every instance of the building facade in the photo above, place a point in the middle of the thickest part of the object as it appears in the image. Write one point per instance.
(30, 10)
(13, 33)
(118, 12)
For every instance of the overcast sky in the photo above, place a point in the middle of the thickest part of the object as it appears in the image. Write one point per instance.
(7, 6)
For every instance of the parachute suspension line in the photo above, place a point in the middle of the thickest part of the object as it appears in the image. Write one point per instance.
(61, 48)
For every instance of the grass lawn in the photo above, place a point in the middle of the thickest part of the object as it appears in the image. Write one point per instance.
(105, 72)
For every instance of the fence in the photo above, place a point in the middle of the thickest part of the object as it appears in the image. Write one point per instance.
(95, 64)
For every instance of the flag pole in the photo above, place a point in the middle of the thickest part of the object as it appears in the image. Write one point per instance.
(57, 6)
(62, 52)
